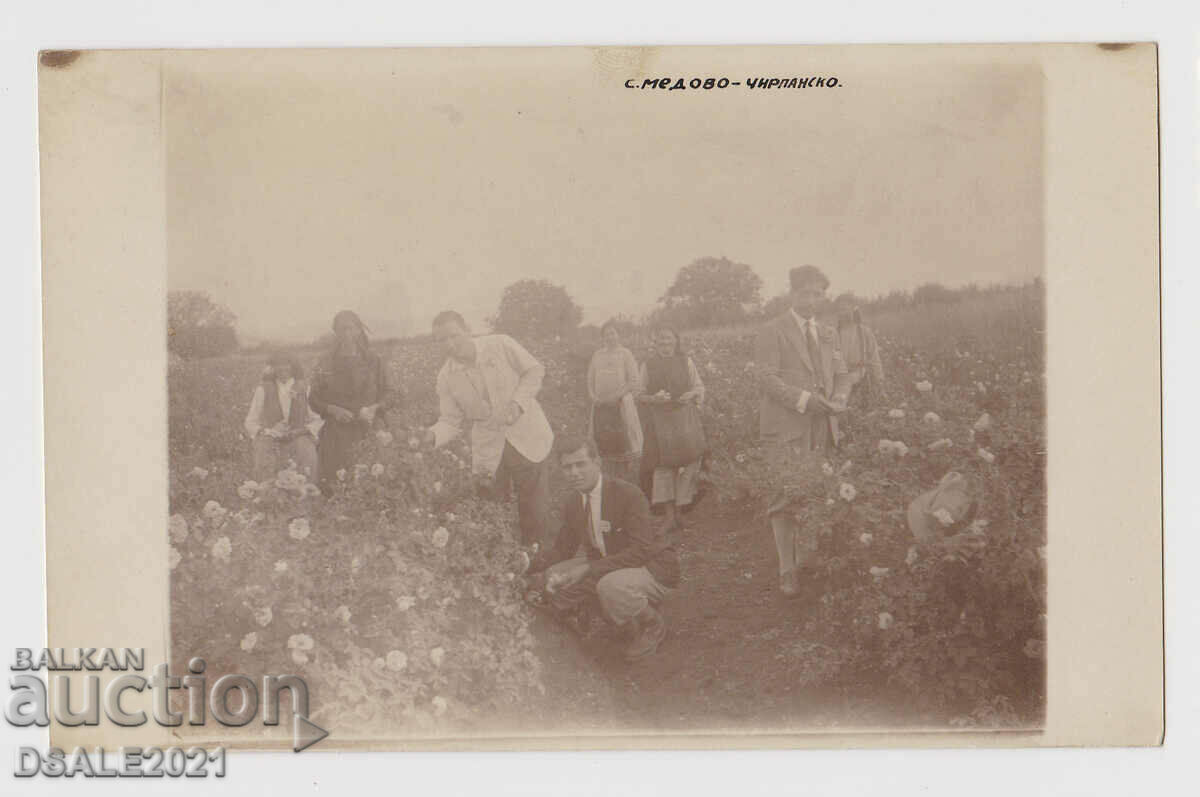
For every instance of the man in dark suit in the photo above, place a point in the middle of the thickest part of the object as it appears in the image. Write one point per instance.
(804, 387)
(608, 548)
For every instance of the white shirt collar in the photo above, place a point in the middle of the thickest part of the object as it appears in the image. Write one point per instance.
(594, 492)
(801, 321)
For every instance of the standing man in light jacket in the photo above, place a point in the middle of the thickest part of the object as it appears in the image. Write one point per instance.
(491, 382)
(803, 380)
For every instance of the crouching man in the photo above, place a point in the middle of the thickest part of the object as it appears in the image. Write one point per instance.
(608, 549)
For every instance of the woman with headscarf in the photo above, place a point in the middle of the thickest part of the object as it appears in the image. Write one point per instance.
(612, 383)
(348, 388)
(861, 353)
(281, 424)
(673, 393)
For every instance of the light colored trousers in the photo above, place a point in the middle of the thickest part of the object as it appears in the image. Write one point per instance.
(794, 544)
(272, 456)
(623, 593)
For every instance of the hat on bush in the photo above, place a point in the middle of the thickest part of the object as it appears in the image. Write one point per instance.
(945, 506)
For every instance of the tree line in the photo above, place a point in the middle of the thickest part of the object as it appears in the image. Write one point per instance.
(708, 292)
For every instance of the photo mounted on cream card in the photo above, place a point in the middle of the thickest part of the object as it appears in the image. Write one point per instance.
(603, 397)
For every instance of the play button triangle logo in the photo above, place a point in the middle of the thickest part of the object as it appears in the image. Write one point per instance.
(305, 734)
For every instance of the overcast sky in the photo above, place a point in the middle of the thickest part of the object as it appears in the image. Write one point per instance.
(401, 186)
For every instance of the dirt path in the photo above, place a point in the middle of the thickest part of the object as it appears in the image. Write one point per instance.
(723, 664)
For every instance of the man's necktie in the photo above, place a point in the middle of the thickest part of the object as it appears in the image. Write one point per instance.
(814, 349)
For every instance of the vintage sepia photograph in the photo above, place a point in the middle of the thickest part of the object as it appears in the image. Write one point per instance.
(605, 397)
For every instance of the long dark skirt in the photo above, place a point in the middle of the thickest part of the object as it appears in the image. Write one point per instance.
(335, 450)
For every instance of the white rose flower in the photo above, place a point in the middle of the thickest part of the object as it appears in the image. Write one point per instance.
(298, 529)
(866, 537)
(987, 456)
(406, 602)
(222, 548)
(826, 468)
(397, 661)
(944, 517)
(938, 445)
(896, 413)
(436, 656)
(440, 537)
(384, 437)
(900, 448)
(377, 469)
(885, 621)
(247, 489)
(173, 557)
(300, 642)
(924, 386)
(342, 613)
(932, 418)
(263, 616)
(886, 446)
(437, 487)
(880, 572)
(439, 705)
(846, 467)
(299, 656)
(249, 641)
(281, 566)
(198, 472)
(978, 526)
(911, 558)
(213, 511)
(983, 424)
(847, 491)
(177, 528)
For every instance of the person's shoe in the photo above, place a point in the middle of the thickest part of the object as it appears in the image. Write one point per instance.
(789, 584)
(649, 629)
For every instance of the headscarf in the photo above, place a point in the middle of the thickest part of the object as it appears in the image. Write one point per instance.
(361, 341)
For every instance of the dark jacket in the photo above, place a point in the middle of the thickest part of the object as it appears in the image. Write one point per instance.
(632, 541)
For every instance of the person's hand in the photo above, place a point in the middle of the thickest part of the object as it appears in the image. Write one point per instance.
(823, 405)
(513, 413)
(561, 579)
(341, 414)
(686, 397)
(367, 414)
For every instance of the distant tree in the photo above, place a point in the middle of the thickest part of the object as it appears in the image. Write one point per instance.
(777, 305)
(536, 309)
(934, 293)
(199, 327)
(710, 291)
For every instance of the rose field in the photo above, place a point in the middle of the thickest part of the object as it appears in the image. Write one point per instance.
(400, 598)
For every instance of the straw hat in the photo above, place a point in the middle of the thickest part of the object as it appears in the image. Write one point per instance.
(934, 512)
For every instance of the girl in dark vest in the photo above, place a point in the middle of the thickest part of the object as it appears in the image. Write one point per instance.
(282, 426)
(348, 388)
(669, 377)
